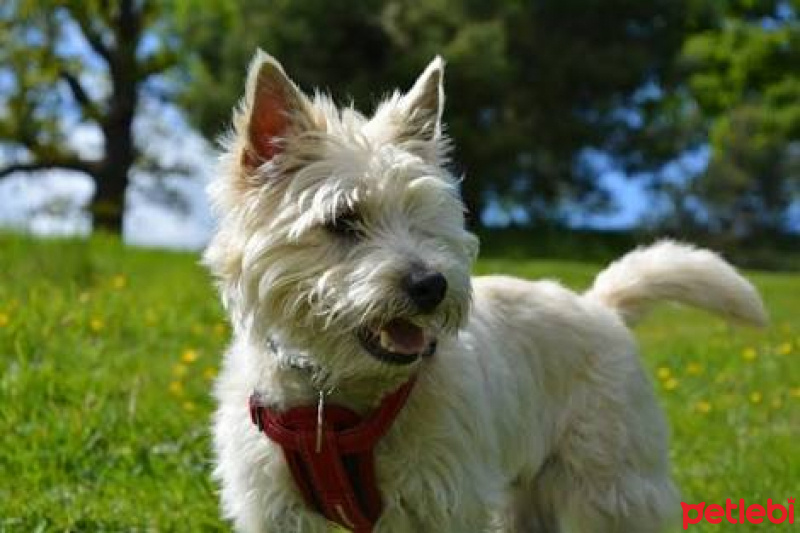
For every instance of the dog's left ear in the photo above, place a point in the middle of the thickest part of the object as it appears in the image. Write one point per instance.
(424, 104)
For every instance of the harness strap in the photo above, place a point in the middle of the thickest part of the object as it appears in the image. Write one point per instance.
(337, 479)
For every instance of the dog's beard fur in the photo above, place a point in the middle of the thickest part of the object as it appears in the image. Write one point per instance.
(284, 274)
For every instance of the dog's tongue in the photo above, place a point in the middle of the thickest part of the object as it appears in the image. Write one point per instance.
(406, 338)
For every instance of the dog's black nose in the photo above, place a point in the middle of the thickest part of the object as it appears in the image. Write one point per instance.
(426, 288)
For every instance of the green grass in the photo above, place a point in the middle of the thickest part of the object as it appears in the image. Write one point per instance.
(107, 354)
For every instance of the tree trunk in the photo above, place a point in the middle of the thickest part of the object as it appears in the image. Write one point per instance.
(108, 203)
(112, 178)
(111, 181)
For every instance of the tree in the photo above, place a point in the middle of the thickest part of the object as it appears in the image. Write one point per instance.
(531, 84)
(742, 75)
(53, 89)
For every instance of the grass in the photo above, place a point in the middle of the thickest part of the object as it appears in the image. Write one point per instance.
(107, 354)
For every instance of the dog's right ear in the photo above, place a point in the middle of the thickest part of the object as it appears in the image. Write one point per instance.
(424, 103)
(274, 108)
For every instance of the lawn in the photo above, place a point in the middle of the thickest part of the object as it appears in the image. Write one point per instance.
(107, 354)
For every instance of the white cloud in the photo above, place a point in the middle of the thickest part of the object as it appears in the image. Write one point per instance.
(48, 203)
(53, 202)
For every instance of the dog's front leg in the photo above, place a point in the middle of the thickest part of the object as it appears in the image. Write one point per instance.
(395, 519)
(268, 519)
(407, 517)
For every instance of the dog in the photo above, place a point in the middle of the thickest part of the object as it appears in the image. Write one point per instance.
(343, 261)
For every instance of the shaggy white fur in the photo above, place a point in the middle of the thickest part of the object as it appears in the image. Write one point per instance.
(533, 414)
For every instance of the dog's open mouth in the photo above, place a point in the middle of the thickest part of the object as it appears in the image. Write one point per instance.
(398, 342)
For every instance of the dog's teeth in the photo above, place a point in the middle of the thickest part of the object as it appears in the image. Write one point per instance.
(386, 341)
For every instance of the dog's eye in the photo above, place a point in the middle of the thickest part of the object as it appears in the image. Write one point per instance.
(346, 224)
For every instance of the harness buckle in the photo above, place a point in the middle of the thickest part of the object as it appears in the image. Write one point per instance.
(256, 410)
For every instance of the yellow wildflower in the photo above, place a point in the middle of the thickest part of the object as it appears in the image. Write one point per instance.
(694, 369)
(749, 354)
(96, 324)
(785, 348)
(176, 388)
(179, 370)
(663, 373)
(671, 384)
(119, 281)
(4, 320)
(755, 397)
(209, 373)
(703, 407)
(189, 355)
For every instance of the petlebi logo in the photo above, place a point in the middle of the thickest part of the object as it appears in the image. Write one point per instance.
(738, 513)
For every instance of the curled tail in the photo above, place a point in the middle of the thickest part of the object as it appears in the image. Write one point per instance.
(671, 271)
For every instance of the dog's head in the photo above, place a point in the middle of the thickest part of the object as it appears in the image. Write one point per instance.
(341, 235)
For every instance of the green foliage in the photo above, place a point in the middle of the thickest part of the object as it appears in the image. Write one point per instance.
(41, 56)
(28, 113)
(743, 74)
(530, 84)
(533, 84)
(107, 355)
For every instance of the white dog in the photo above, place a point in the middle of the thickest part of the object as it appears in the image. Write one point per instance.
(343, 261)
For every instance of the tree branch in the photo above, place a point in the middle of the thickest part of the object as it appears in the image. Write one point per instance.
(160, 192)
(157, 169)
(81, 96)
(93, 37)
(157, 63)
(75, 164)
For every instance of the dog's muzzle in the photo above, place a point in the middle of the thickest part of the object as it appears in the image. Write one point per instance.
(398, 342)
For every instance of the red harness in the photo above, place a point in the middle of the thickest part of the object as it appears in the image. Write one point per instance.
(334, 467)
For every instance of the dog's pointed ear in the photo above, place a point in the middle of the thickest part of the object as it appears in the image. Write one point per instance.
(424, 103)
(273, 108)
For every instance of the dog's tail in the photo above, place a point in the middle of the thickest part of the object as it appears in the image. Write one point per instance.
(671, 271)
